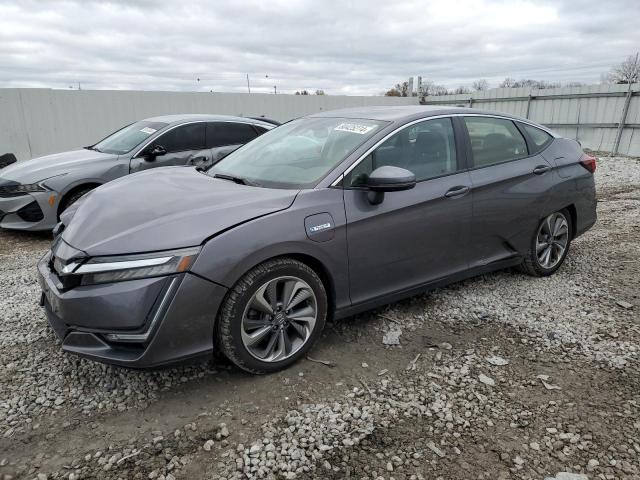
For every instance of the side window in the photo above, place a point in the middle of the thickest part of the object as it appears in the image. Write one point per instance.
(220, 134)
(428, 149)
(185, 137)
(494, 140)
(540, 138)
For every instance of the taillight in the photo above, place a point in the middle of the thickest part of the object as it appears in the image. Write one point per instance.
(588, 162)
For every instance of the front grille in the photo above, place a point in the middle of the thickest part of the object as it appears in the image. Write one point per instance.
(31, 212)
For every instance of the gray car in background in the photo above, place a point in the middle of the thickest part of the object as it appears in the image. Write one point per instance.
(325, 216)
(34, 193)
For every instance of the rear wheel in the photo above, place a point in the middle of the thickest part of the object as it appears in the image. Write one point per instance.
(549, 246)
(272, 316)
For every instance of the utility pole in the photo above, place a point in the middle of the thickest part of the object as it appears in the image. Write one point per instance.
(625, 109)
(248, 85)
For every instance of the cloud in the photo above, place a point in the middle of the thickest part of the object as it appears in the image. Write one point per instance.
(342, 47)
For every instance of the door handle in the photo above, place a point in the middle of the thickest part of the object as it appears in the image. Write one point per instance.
(456, 191)
(540, 169)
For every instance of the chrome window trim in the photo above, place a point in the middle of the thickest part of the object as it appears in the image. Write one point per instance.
(425, 119)
(149, 142)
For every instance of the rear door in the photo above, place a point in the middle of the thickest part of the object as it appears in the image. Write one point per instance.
(413, 236)
(511, 188)
(184, 144)
(224, 137)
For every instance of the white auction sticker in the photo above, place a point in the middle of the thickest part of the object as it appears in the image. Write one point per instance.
(148, 130)
(354, 128)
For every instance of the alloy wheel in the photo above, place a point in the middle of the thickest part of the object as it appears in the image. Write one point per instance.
(552, 240)
(279, 319)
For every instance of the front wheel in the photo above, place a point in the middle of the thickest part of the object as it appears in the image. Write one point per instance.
(549, 246)
(272, 316)
(72, 198)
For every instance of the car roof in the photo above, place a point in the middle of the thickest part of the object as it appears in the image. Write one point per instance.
(403, 112)
(406, 113)
(186, 117)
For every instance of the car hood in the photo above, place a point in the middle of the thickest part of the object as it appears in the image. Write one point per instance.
(41, 168)
(165, 208)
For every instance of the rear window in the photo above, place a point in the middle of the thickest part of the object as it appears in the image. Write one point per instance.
(494, 140)
(220, 134)
(538, 137)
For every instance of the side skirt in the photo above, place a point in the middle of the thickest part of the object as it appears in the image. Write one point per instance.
(411, 292)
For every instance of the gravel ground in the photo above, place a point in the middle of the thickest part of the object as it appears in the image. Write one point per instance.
(501, 376)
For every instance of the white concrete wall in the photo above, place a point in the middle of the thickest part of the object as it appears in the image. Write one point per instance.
(35, 122)
(577, 111)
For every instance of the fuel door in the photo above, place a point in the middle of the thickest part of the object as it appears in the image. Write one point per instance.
(319, 227)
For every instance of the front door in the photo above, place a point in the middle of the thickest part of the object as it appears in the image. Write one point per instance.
(415, 236)
(184, 145)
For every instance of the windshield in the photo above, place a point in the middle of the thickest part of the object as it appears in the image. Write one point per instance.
(297, 154)
(128, 138)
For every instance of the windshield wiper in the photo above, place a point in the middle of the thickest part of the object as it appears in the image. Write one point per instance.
(91, 147)
(233, 178)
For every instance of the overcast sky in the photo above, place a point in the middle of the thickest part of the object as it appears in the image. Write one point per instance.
(342, 47)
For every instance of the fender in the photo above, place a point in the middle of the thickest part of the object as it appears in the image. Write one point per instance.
(225, 258)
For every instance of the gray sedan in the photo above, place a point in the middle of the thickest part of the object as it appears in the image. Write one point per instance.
(325, 216)
(34, 193)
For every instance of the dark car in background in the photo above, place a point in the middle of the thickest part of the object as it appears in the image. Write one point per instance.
(325, 216)
(35, 192)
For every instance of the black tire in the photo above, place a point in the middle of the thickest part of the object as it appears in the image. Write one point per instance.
(72, 198)
(228, 332)
(531, 265)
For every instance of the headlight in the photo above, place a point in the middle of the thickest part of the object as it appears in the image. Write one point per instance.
(17, 190)
(129, 267)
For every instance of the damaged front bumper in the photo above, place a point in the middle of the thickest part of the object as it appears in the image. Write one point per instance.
(136, 323)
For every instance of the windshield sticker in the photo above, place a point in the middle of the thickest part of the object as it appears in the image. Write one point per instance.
(355, 128)
(148, 130)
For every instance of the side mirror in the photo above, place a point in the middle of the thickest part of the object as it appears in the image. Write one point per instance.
(155, 151)
(388, 179)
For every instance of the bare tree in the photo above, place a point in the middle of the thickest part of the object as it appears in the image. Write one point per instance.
(302, 92)
(528, 82)
(430, 88)
(320, 92)
(627, 72)
(400, 90)
(507, 83)
(460, 90)
(480, 85)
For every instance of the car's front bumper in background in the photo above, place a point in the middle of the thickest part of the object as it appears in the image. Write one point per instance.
(31, 211)
(171, 318)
